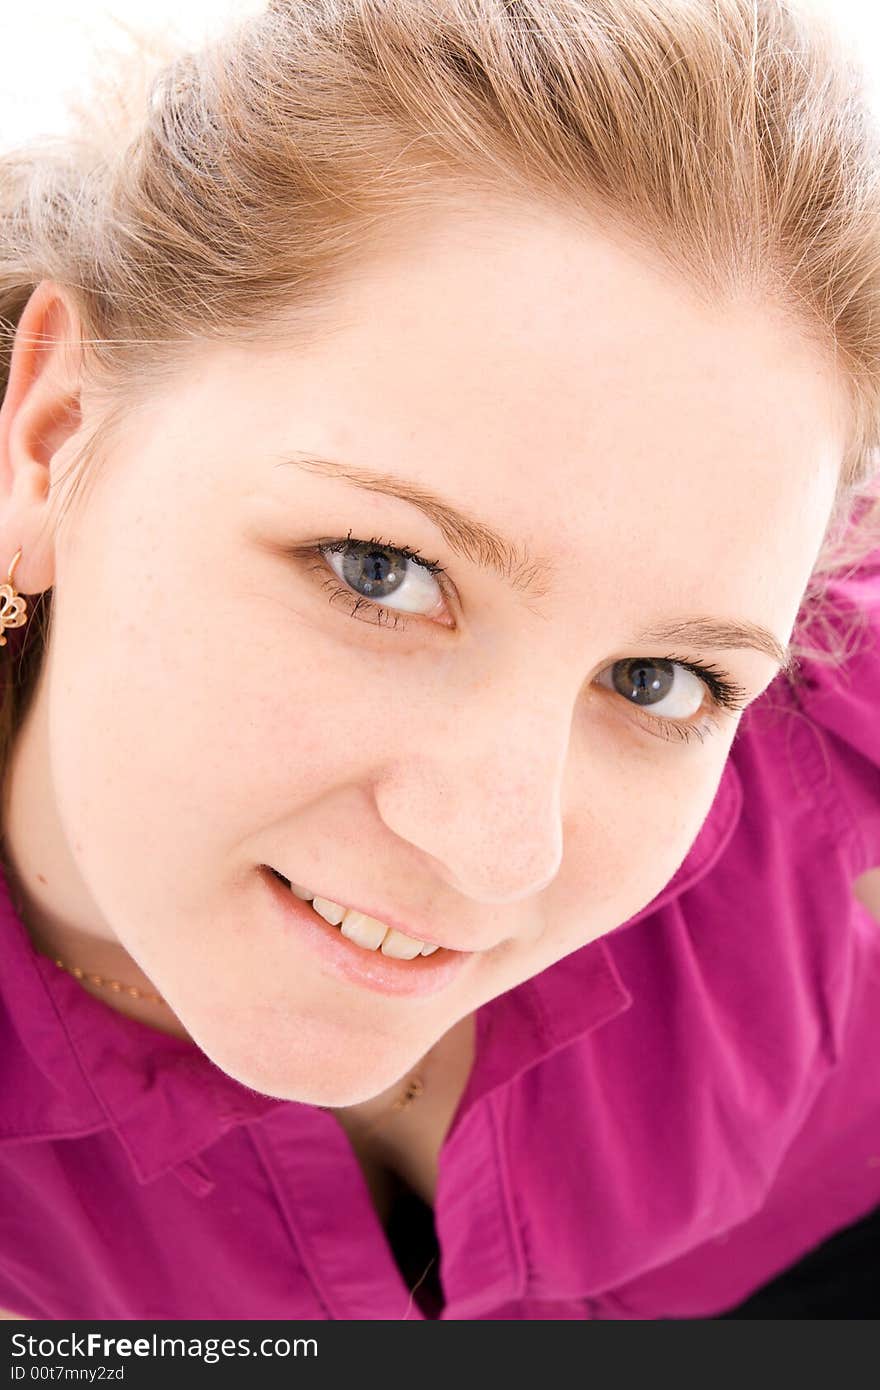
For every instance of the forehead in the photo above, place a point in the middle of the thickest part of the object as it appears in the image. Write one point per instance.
(551, 378)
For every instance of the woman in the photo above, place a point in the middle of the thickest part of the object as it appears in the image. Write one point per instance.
(540, 340)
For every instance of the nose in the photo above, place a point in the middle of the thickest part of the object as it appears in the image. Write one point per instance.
(482, 797)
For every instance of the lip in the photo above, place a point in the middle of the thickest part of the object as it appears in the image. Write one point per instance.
(391, 921)
(370, 969)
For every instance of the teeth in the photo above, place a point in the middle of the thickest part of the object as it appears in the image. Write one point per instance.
(366, 931)
(330, 911)
(398, 944)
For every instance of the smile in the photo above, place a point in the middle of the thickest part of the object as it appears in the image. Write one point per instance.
(374, 968)
(364, 931)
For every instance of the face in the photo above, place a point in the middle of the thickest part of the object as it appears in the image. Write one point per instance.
(514, 771)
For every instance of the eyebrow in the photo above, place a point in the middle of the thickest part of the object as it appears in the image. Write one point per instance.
(481, 545)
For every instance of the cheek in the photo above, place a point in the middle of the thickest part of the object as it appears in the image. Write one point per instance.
(189, 744)
(618, 862)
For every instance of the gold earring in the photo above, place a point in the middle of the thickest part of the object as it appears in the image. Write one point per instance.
(13, 608)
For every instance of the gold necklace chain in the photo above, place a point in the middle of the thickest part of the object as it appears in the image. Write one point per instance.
(115, 985)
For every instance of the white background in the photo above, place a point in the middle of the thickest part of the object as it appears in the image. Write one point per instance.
(48, 48)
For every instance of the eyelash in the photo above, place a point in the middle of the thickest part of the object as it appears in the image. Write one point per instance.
(724, 693)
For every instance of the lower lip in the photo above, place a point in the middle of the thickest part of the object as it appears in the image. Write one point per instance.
(371, 969)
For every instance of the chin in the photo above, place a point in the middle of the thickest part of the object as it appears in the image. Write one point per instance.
(324, 1080)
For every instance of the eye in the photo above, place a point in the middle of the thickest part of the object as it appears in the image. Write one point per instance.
(387, 579)
(673, 693)
(382, 582)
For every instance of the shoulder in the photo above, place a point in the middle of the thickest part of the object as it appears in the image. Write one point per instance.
(837, 692)
(808, 751)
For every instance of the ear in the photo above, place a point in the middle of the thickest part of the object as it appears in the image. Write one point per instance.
(40, 414)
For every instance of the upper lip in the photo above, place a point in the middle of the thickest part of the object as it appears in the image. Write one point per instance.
(390, 918)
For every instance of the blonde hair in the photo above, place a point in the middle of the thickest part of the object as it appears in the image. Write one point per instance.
(731, 141)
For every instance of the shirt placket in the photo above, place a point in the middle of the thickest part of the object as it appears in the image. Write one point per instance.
(340, 1239)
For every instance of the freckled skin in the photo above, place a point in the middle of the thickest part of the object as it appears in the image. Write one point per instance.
(205, 710)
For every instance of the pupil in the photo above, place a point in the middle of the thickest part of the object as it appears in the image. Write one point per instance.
(640, 682)
(374, 573)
